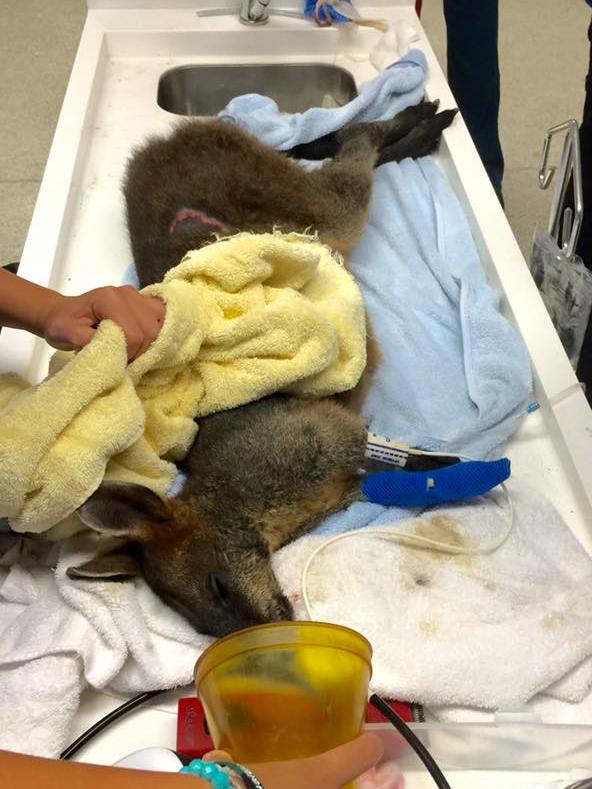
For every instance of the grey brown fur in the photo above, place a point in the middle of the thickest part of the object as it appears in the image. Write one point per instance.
(260, 475)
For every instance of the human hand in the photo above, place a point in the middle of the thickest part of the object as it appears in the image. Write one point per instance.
(70, 322)
(330, 770)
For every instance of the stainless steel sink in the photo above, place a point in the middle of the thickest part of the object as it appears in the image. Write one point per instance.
(205, 90)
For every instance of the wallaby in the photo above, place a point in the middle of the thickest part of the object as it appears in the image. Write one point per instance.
(260, 475)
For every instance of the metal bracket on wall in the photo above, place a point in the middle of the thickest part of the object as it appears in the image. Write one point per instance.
(564, 228)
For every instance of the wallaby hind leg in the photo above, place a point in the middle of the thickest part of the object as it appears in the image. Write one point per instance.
(344, 186)
(328, 146)
(421, 140)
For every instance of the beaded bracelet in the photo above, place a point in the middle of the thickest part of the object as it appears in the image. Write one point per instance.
(219, 774)
(251, 781)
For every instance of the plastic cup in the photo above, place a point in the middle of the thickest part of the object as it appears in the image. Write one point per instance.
(285, 690)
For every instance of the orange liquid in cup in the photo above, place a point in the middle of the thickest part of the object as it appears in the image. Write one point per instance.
(285, 691)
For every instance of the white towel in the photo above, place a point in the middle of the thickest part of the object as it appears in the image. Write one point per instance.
(488, 631)
(549, 707)
(58, 636)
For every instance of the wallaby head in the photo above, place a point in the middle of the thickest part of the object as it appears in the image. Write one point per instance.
(219, 582)
(257, 477)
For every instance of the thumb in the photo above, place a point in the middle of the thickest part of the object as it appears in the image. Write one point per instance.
(347, 762)
(217, 756)
(81, 336)
(72, 339)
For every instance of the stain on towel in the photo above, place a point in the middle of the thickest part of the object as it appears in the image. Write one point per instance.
(554, 621)
(428, 628)
(420, 566)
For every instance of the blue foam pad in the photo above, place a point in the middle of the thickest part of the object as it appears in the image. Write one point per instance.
(419, 488)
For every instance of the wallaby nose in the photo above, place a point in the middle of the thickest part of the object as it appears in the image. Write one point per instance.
(280, 609)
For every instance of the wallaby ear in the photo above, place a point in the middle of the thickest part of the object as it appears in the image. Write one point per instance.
(123, 510)
(108, 567)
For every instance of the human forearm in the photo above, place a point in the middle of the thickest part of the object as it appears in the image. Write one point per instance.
(331, 770)
(70, 322)
(24, 305)
(25, 772)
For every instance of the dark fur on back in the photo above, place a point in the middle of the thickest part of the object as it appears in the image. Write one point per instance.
(217, 168)
(221, 170)
(280, 451)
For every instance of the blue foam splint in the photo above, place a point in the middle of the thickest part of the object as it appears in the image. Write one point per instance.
(420, 488)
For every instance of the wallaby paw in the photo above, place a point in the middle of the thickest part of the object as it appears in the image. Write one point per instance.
(422, 140)
(429, 108)
(383, 133)
(405, 121)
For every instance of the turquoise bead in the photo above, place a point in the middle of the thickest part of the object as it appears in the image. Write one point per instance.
(221, 781)
(210, 772)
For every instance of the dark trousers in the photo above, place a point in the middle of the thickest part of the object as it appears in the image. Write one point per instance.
(584, 248)
(474, 77)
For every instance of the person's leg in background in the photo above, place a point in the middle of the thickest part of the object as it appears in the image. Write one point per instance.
(584, 248)
(474, 77)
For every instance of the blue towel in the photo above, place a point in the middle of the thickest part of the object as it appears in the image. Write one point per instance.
(454, 374)
(399, 86)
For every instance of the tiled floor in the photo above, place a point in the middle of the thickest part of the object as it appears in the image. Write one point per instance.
(38, 41)
(543, 52)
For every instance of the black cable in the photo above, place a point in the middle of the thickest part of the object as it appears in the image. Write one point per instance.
(414, 741)
(114, 715)
(375, 700)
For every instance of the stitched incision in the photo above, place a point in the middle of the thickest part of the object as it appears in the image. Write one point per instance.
(185, 214)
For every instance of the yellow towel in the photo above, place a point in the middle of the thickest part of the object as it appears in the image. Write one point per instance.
(246, 317)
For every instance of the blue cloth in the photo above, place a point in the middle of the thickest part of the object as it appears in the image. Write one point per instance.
(394, 89)
(325, 12)
(454, 373)
(130, 277)
(427, 488)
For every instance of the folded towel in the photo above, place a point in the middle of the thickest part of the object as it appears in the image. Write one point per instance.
(246, 317)
(567, 701)
(454, 371)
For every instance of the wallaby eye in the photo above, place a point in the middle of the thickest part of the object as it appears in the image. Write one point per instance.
(217, 588)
